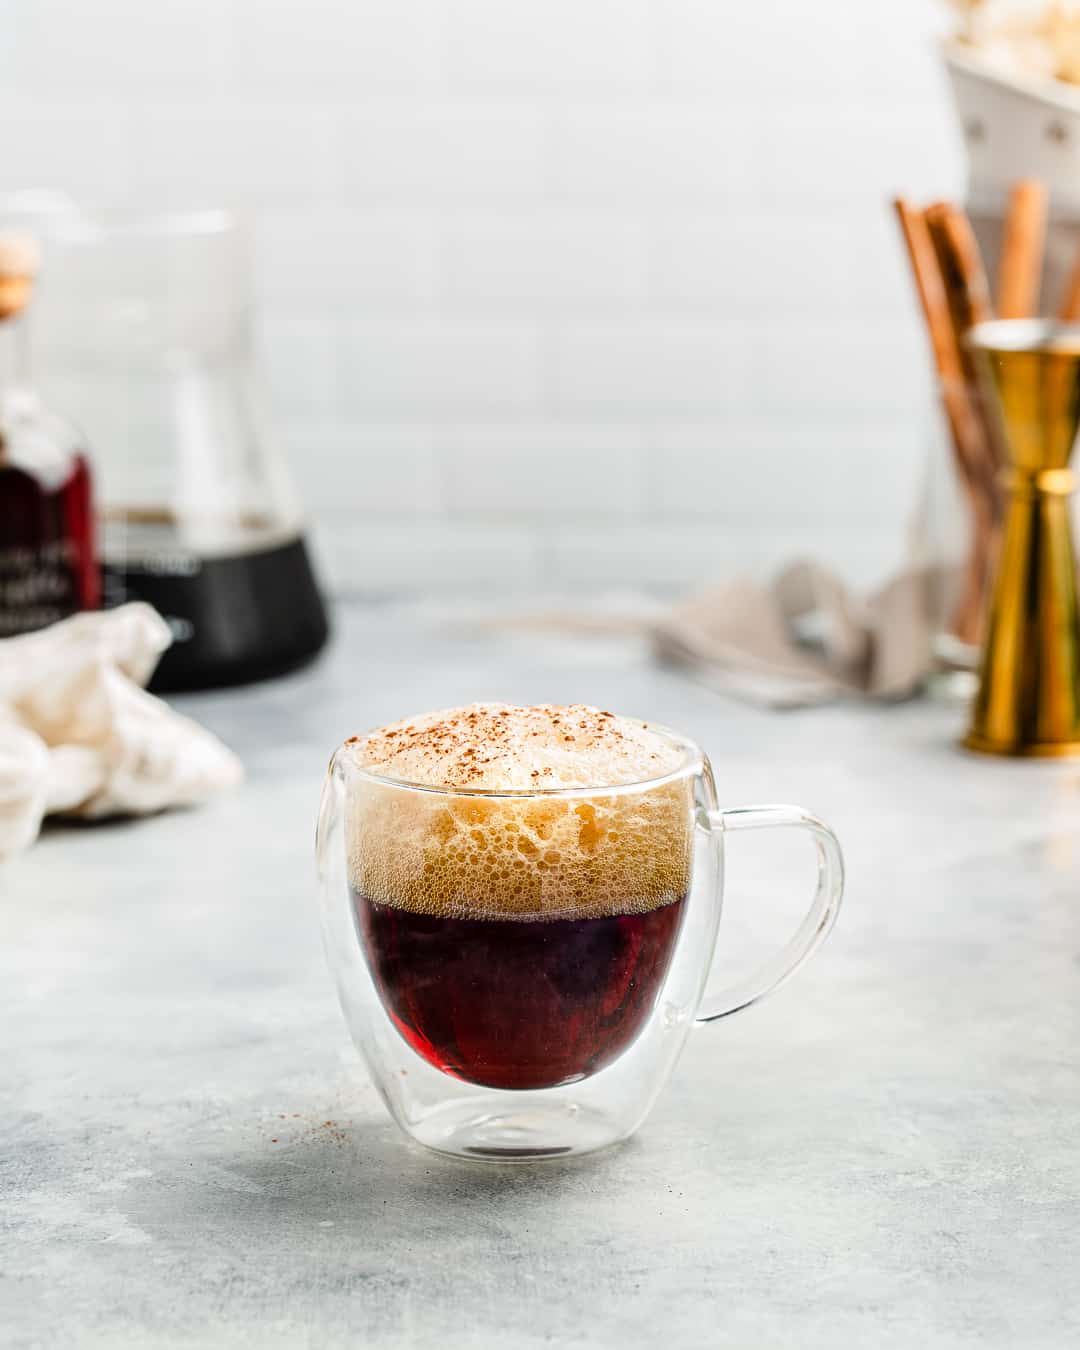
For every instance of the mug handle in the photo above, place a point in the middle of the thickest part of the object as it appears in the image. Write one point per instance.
(813, 930)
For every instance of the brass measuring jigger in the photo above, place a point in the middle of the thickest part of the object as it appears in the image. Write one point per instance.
(1029, 694)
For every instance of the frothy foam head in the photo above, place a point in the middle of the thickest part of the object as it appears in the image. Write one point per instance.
(455, 853)
(502, 746)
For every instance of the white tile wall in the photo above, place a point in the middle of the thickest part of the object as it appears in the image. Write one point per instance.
(550, 262)
(800, 471)
(654, 365)
(557, 46)
(564, 470)
(398, 462)
(345, 259)
(434, 153)
(445, 366)
(550, 290)
(289, 49)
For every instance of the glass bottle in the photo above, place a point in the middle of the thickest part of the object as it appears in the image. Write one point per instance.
(48, 563)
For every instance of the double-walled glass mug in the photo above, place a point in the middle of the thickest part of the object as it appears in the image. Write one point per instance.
(520, 969)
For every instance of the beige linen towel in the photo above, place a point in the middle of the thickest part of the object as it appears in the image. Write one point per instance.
(79, 734)
(801, 639)
(804, 638)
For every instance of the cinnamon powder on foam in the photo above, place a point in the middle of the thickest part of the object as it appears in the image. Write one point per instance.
(461, 855)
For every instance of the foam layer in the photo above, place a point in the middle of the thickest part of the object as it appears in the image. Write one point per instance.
(540, 857)
(508, 747)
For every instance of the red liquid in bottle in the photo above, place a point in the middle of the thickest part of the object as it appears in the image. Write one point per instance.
(48, 563)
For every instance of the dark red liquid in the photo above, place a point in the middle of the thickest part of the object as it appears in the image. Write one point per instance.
(509, 1003)
(48, 566)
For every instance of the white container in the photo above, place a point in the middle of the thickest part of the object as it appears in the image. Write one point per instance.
(1016, 126)
(1019, 126)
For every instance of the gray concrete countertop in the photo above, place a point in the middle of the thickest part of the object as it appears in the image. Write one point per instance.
(885, 1154)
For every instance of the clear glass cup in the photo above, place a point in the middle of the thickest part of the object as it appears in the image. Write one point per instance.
(538, 1033)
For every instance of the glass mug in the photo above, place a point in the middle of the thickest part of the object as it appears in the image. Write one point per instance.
(511, 1037)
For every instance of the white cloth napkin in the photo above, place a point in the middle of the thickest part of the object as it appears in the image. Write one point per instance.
(79, 735)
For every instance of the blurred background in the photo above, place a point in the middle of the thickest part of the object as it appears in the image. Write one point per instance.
(583, 293)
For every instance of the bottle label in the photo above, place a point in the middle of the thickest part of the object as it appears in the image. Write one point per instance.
(37, 585)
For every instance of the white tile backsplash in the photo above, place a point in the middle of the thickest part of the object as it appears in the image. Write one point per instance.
(82, 147)
(546, 261)
(234, 151)
(298, 363)
(776, 51)
(560, 45)
(785, 470)
(583, 290)
(438, 366)
(663, 152)
(376, 556)
(766, 264)
(822, 364)
(368, 469)
(119, 48)
(443, 152)
(649, 366)
(553, 470)
(845, 156)
(302, 49)
(342, 261)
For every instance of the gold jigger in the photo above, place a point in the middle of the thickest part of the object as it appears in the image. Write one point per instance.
(1029, 695)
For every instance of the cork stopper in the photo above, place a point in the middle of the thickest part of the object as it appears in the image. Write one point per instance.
(20, 259)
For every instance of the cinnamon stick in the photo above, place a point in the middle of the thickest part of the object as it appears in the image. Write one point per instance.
(1069, 309)
(1020, 270)
(966, 287)
(967, 428)
(967, 292)
(930, 288)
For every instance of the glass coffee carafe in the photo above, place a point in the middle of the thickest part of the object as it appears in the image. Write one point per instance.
(146, 333)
